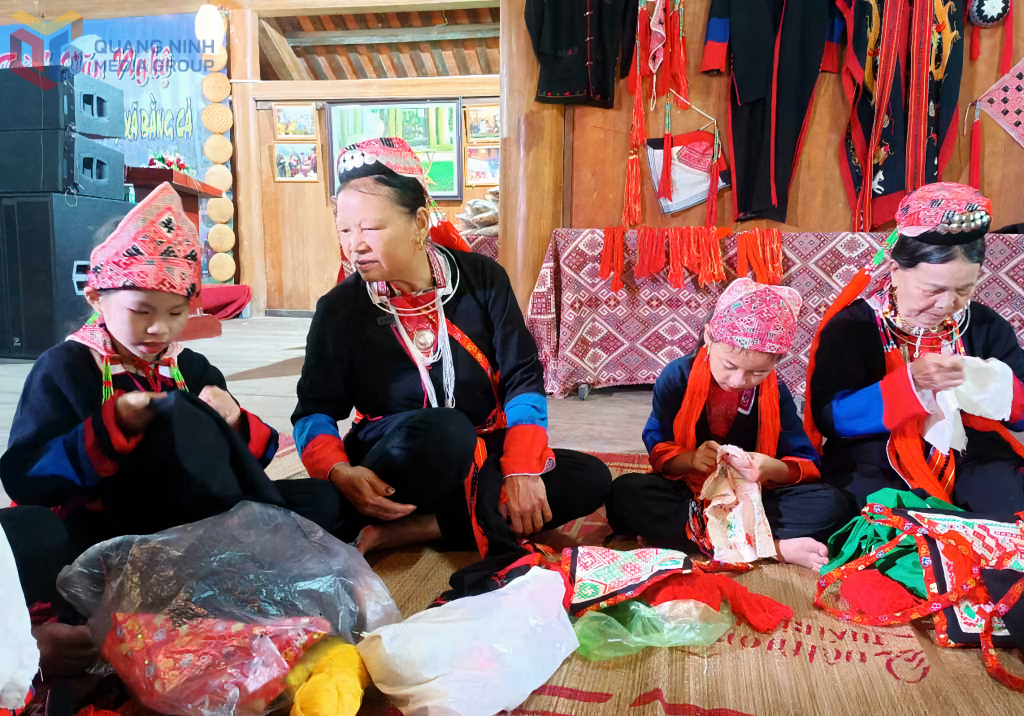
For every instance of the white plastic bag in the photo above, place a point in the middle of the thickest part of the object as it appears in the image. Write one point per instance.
(475, 656)
(19, 655)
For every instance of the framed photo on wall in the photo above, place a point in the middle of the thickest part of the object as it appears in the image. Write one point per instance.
(483, 123)
(483, 165)
(432, 128)
(294, 121)
(296, 162)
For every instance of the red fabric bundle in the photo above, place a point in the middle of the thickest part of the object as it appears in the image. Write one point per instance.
(676, 60)
(762, 613)
(871, 592)
(612, 258)
(677, 251)
(650, 247)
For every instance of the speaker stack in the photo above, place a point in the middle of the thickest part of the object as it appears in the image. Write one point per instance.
(61, 194)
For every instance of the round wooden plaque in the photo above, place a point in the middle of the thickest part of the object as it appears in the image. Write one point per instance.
(216, 86)
(217, 118)
(219, 60)
(217, 148)
(220, 210)
(222, 267)
(221, 238)
(218, 176)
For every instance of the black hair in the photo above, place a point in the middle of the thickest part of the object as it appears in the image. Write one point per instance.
(908, 253)
(407, 192)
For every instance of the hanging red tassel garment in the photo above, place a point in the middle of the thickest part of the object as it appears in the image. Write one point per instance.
(894, 24)
(920, 60)
(677, 57)
(658, 49)
(742, 265)
(711, 211)
(665, 184)
(975, 175)
(1006, 63)
(658, 259)
(712, 269)
(677, 250)
(770, 247)
(631, 208)
(641, 269)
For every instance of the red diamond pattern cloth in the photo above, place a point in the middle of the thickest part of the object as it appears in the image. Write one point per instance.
(1004, 102)
(587, 334)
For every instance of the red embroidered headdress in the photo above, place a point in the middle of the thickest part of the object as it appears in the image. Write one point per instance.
(756, 317)
(155, 247)
(375, 157)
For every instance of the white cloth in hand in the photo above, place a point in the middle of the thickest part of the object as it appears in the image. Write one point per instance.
(987, 392)
(19, 654)
(736, 523)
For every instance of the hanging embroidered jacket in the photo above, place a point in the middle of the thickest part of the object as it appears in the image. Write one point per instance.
(66, 449)
(856, 404)
(354, 360)
(578, 43)
(877, 30)
(777, 51)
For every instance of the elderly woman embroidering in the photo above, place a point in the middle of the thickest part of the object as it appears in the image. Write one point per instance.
(427, 343)
(915, 385)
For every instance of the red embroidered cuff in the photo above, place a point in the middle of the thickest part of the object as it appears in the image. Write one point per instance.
(122, 444)
(801, 470)
(661, 454)
(321, 454)
(1017, 408)
(900, 401)
(259, 434)
(526, 451)
(715, 58)
(103, 465)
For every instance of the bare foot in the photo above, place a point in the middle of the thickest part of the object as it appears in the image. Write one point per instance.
(64, 650)
(405, 530)
(805, 551)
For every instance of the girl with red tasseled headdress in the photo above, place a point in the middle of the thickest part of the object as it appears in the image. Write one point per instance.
(728, 394)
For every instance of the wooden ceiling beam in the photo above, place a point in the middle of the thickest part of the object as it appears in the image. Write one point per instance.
(279, 54)
(422, 87)
(389, 34)
(319, 59)
(103, 9)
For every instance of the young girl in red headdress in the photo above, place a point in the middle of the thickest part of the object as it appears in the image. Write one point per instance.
(107, 432)
(728, 394)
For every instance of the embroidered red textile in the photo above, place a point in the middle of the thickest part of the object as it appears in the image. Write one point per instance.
(871, 592)
(154, 248)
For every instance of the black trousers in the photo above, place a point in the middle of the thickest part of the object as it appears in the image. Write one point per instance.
(656, 509)
(41, 549)
(427, 456)
(995, 488)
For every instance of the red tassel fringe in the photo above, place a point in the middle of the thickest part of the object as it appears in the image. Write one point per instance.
(975, 177)
(665, 185)
(677, 58)
(631, 210)
(612, 258)
(711, 210)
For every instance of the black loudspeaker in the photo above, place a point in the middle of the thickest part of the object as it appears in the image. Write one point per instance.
(54, 97)
(53, 160)
(45, 243)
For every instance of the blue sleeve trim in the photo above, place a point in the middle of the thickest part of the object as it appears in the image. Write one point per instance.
(718, 30)
(856, 413)
(527, 409)
(835, 29)
(56, 460)
(311, 427)
(669, 390)
(793, 441)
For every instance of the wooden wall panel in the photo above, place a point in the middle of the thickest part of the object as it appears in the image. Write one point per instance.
(301, 243)
(818, 200)
(532, 136)
(301, 250)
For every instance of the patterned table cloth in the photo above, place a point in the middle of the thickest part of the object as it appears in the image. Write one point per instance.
(587, 334)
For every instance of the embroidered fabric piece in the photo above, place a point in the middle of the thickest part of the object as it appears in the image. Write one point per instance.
(736, 523)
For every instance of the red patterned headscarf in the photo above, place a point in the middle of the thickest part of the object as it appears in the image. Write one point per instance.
(154, 248)
(377, 156)
(756, 317)
(944, 214)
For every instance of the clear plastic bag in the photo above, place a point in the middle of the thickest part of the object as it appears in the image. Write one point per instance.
(475, 656)
(208, 618)
(631, 626)
(19, 655)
